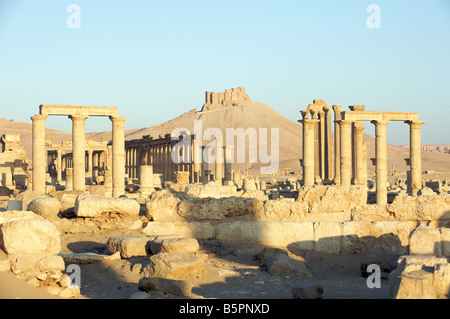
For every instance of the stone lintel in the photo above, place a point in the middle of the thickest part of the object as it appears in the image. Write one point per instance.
(78, 110)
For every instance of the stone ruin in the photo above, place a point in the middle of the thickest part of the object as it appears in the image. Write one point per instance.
(170, 222)
(228, 98)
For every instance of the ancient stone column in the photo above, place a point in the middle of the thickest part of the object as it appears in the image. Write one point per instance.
(39, 153)
(197, 159)
(364, 165)
(218, 171)
(309, 151)
(381, 161)
(79, 151)
(90, 163)
(358, 148)
(337, 144)
(58, 166)
(118, 155)
(69, 179)
(146, 179)
(346, 152)
(228, 163)
(316, 145)
(322, 143)
(415, 148)
(328, 145)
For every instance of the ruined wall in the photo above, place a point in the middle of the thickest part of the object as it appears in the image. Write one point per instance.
(231, 97)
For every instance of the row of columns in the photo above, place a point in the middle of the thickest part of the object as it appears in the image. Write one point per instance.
(350, 149)
(78, 153)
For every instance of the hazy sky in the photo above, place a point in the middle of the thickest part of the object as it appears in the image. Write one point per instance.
(155, 59)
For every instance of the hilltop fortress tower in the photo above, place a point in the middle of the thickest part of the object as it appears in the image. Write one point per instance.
(228, 98)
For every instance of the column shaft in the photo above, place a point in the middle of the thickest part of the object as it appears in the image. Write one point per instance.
(337, 144)
(381, 161)
(118, 155)
(309, 152)
(346, 152)
(79, 151)
(39, 153)
(415, 156)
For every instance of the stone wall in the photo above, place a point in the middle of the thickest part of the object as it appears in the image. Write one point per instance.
(231, 97)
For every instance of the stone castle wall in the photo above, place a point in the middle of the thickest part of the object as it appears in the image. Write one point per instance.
(228, 98)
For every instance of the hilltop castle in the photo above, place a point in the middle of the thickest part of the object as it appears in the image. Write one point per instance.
(231, 97)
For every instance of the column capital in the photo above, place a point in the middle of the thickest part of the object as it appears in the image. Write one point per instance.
(344, 122)
(415, 124)
(327, 109)
(357, 108)
(337, 108)
(39, 117)
(118, 119)
(380, 122)
(78, 118)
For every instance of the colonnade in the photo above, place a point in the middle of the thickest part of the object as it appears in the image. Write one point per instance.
(79, 115)
(350, 162)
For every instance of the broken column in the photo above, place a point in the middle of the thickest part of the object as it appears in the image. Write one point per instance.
(415, 156)
(146, 179)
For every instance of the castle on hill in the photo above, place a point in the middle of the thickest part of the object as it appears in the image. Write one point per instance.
(227, 98)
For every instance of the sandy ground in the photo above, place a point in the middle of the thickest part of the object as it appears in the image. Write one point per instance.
(232, 272)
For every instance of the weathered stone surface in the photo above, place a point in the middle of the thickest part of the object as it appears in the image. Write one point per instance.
(332, 199)
(88, 258)
(211, 190)
(269, 251)
(129, 245)
(174, 245)
(421, 208)
(284, 210)
(10, 216)
(420, 277)
(327, 236)
(425, 241)
(176, 266)
(281, 264)
(35, 235)
(89, 206)
(27, 197)
(445, 241)
(200, 230)
(175, 287)
(27, 266)
(46, 206)
(162, 206)
(307, 291)
(276, 234)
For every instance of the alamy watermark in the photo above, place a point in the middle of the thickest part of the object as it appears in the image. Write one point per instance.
(74, 273)
(256, 148)
(73, 21)
(374, 19)
(374, 280)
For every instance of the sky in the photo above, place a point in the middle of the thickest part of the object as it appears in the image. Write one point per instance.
(155, 60)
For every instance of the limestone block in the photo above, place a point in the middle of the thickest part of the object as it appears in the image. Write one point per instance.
(276, 234)
(422, 208)
(27, 197)
(88, 258)
(284, 210)
(327, 237)
(27, 266)
(46, 206)
(333, 199)
(10, 216)
(89, 206)
(29, 236)
(129, 245)
(392, 236)
(355, 237)
(180, 288)
(162, 206)
(425, 241)
(181, 177)
(281, 264)
(200, 230)
(445, 241)
(211, 190)
(442, 280)
(174, 245)
(175, 266)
